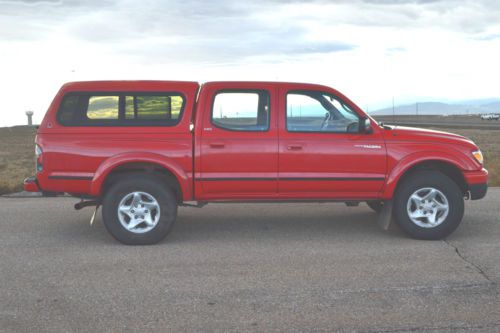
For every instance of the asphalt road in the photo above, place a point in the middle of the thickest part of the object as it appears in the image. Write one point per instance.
(247, 267)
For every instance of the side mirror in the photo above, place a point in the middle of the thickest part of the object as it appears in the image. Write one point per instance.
(366, 126)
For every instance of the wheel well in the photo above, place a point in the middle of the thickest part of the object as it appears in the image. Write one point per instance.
(144, 167)
(446, 168)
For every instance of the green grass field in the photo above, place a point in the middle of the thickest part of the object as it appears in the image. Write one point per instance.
(17, 159)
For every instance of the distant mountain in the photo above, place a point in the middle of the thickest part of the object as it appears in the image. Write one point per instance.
(437, 108)
(477, 101)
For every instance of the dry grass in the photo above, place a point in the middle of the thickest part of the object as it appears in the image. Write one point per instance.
(17, 154)
(489, 142)
(17, 157)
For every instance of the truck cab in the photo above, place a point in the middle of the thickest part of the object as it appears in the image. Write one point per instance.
(142, 148)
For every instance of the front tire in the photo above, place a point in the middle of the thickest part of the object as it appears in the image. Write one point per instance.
(428, 205)
(139, 209)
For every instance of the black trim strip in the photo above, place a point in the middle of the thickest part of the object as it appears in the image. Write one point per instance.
(333, 178)
(293, 179)
(236, 179)
(71, 177)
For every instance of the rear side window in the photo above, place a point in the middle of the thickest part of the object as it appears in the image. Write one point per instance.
(121, 109)
(153, 107)
(241, 110)
(103, 107)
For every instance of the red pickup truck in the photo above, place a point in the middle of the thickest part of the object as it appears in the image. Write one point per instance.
(142, 148)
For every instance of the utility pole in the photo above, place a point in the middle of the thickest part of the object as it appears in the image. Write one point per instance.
(416, 106)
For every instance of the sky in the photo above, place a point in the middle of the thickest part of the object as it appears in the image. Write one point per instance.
(371, 50)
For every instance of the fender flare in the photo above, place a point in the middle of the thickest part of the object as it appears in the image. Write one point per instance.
(115, 161)
(461, 162)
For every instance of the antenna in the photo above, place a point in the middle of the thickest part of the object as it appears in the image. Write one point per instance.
(29, 114)
(393, 111)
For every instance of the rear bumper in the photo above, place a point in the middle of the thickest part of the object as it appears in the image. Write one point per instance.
(31, 185)
(477, 183)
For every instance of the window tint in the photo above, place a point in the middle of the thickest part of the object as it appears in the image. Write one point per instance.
(129, 107)
(103, 107)
(319, 112)
(241, 110)
(66, 112)
(153, 107)
(122, 109)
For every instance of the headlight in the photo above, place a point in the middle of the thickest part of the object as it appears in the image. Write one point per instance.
(478, 156)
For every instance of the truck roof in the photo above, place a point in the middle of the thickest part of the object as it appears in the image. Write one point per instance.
(136, 85)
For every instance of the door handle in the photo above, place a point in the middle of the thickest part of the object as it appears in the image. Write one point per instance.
(294, 147)
(217, 145)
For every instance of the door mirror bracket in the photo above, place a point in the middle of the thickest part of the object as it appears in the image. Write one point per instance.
(366, 126)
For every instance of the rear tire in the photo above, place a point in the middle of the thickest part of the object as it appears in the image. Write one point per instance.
(139, 209)
(428, 205)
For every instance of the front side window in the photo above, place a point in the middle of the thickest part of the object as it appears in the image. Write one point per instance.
(121, 109)
(313, 111)
(241, 110)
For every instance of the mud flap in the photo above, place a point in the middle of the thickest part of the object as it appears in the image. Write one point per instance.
(385, 215)
(94, 215)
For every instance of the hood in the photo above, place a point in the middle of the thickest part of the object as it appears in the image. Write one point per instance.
(419, 134)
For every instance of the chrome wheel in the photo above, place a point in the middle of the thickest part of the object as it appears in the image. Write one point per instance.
(138, 212)
(428, 207)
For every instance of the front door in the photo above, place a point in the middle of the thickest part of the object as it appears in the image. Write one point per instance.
(322, 152)
(239, 145)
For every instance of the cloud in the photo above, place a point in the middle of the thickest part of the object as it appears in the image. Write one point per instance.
(488, 37)
(399, 2)
(190, 30)
(439, 48)
(108, 21)
(461, 16)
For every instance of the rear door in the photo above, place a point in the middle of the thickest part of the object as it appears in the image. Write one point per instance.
(322, 153)
(237, 143)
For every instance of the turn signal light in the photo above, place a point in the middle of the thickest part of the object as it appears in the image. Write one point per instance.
(478, 156)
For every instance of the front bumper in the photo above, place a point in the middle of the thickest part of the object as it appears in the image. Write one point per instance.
(31, 185)
(478, 191)
(477, 183)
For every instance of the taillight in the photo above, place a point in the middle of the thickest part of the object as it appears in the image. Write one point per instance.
(38, 151)
(39, 161)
